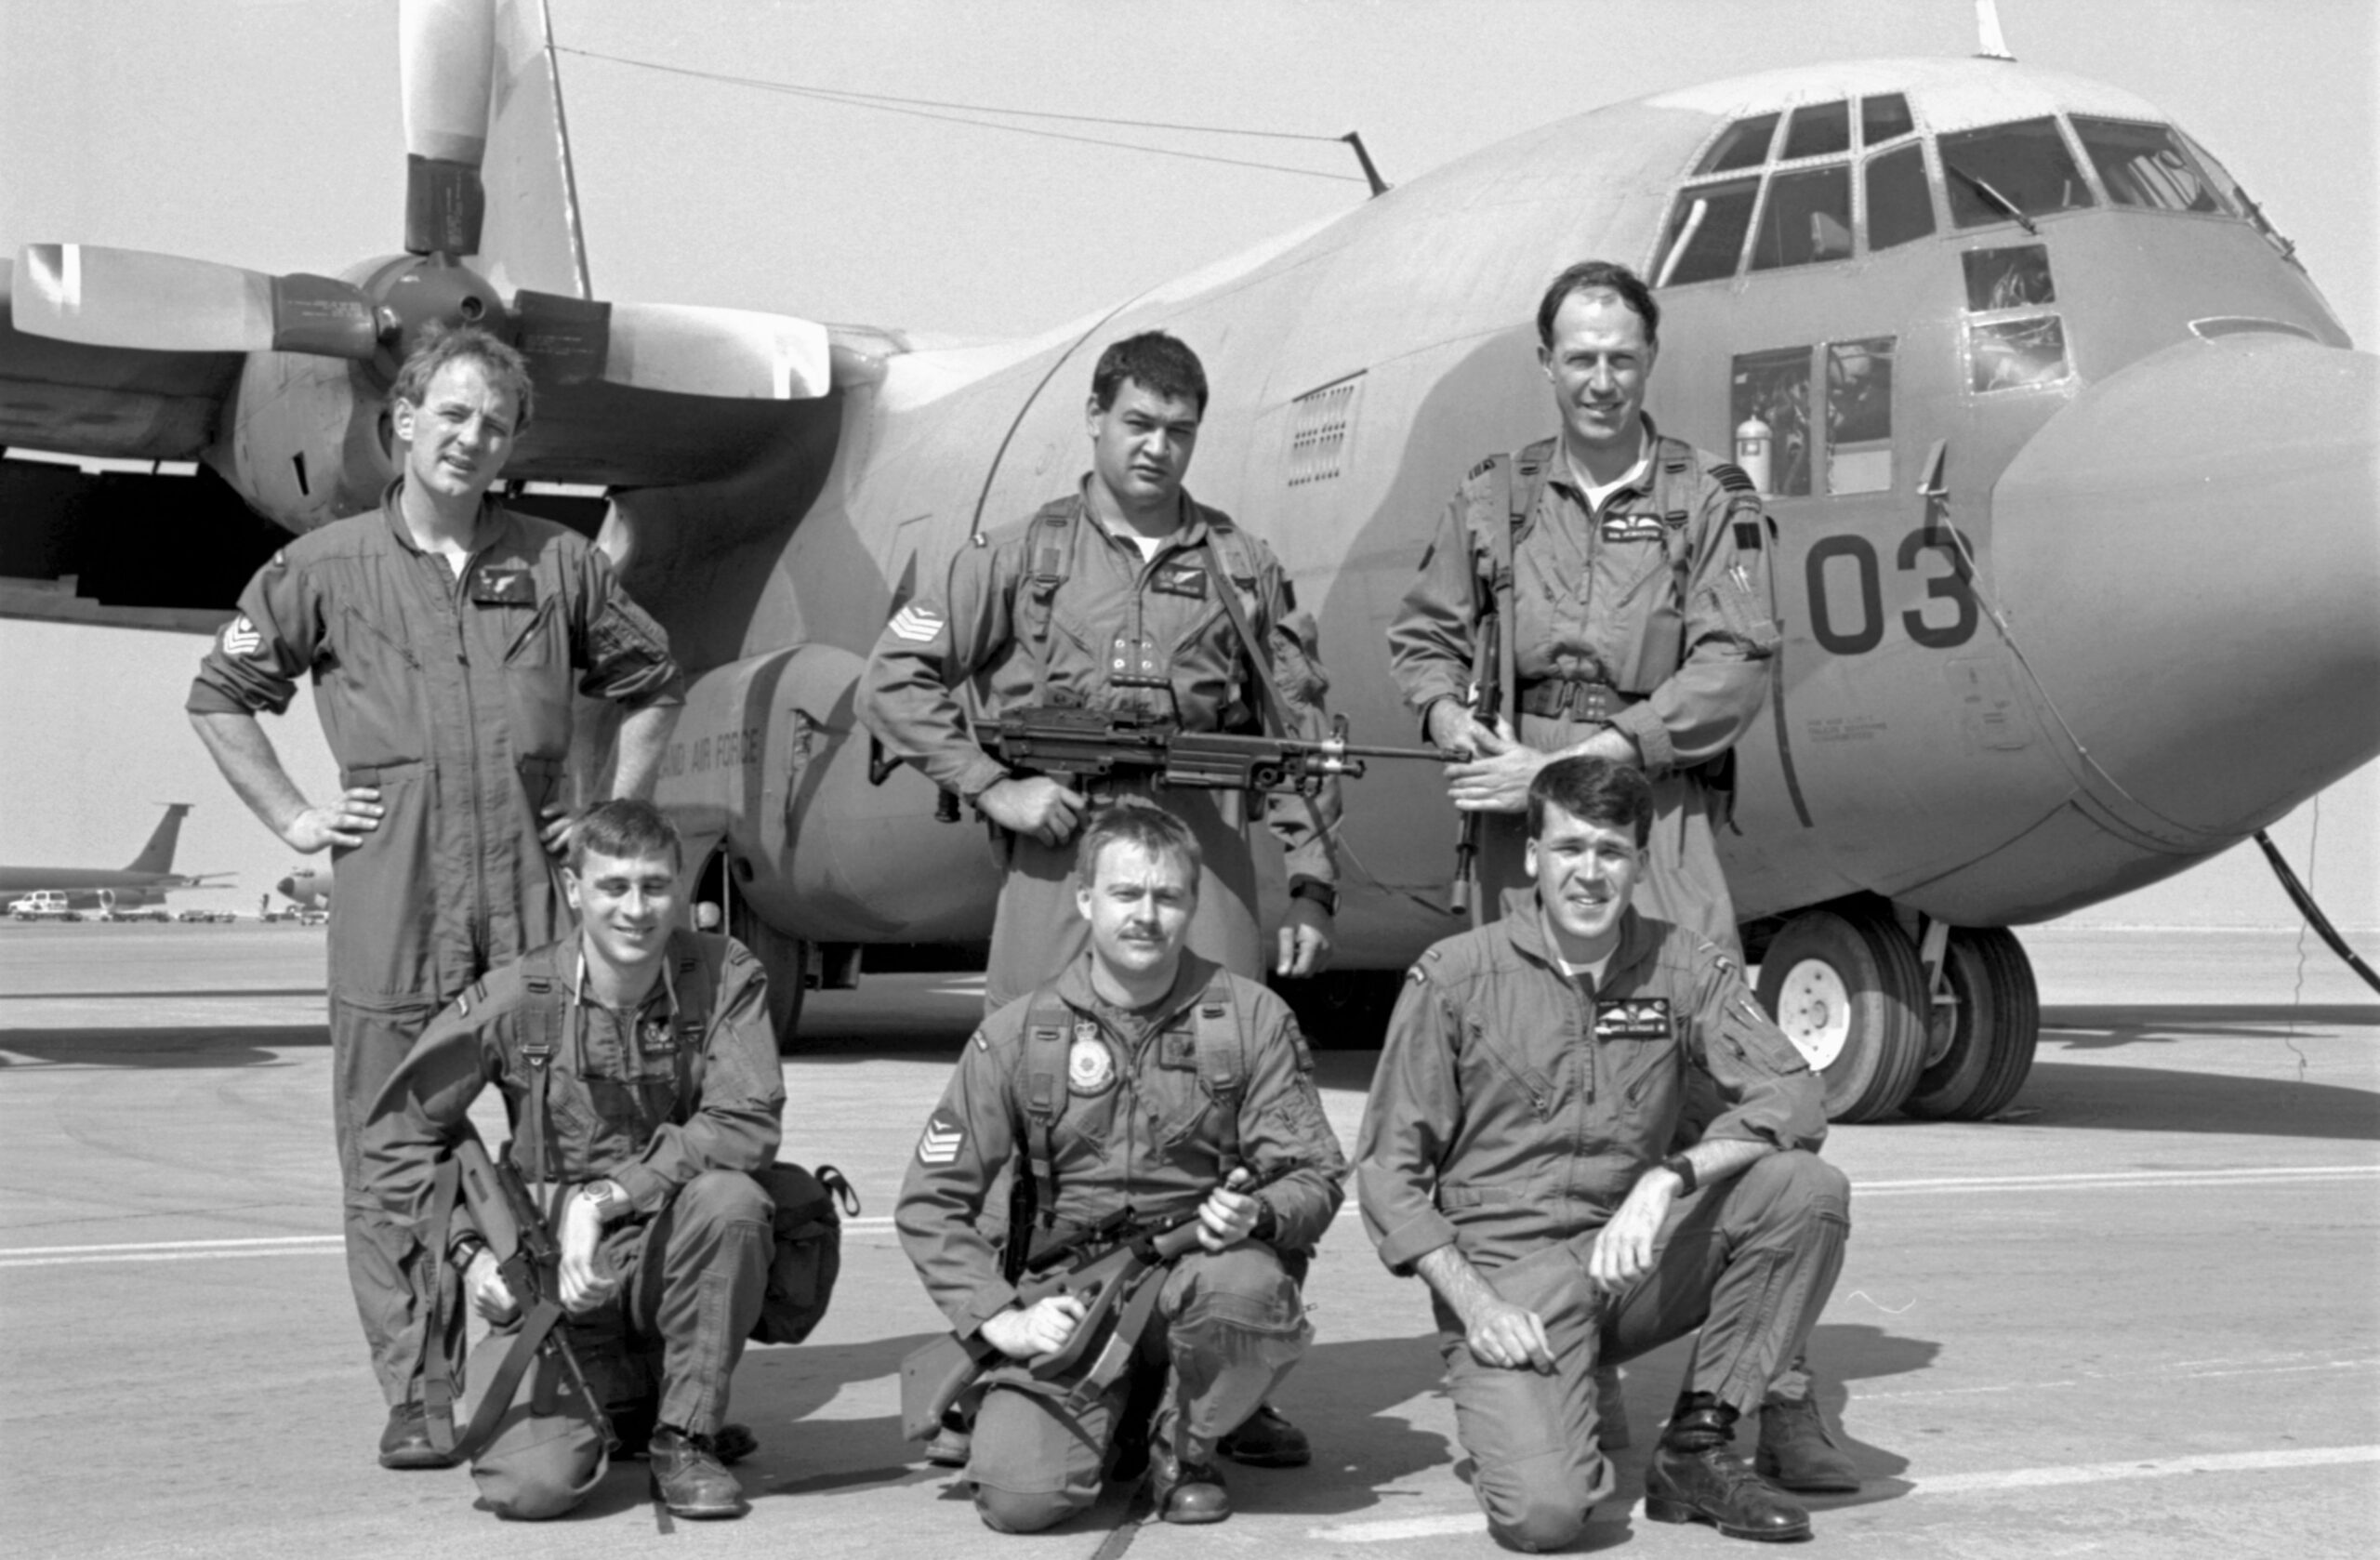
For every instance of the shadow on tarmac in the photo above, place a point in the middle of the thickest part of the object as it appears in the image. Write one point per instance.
(243, 1046)
(2158, 1099)
(2101, 1028)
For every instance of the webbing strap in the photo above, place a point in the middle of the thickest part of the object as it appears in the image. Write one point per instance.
(1046, 1024)
(1274, 710)
(1221, 1057)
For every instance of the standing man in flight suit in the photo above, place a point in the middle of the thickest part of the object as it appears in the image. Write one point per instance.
(1142, 1077)
(1627, 576)
(640, 1073)
(1112, 598)
(447, 636)
(1109, 599)
(1516, 1152)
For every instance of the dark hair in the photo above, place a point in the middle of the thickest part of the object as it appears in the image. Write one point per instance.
(1155, 361)
(441, 344)
(1595, 790)
(1152, 828)
(625, 829)
(1590, 276)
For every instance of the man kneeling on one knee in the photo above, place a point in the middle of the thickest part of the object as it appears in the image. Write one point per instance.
(640, 1076)
(1511, 1151)
(1143, 1080)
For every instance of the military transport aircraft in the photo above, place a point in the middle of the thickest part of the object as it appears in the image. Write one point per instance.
(2049, 416)
(143, 881)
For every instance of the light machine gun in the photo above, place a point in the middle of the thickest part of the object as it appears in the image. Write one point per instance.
(1093, 745)
(1115, 1268)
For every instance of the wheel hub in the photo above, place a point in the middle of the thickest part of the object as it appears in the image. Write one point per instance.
(1813, 1010)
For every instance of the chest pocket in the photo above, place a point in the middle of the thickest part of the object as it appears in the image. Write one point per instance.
(1636, 1039)
(1490, 1069)
(630, 1079)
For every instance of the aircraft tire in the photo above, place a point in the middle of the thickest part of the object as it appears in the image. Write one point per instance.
(1845, 983)
(786, 960)
(1992, 1029)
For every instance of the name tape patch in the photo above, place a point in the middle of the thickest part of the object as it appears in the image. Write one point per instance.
(1642, 1018)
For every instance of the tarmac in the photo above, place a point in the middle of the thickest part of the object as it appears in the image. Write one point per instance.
(2139, 1315)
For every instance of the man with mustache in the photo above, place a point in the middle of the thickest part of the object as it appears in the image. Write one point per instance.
(1142, 1078)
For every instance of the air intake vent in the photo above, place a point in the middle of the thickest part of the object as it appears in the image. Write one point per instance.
(1321, 424)
(2247, 324)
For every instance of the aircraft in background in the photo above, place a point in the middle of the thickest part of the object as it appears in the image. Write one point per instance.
(2072, 465)
(141, 883)
(307, 886)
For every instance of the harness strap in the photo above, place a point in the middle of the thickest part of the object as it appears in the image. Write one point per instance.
(1047, 1025)
(1223, 1058)
(1272, 709)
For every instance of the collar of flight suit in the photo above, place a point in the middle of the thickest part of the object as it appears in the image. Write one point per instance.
(489, 509)
(1640, 476)
(1523, 928)
(1191, 979)
(666, 986)
(1191, 532)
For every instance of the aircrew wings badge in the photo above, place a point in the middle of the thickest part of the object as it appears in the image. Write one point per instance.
(915, 624)
(940, 1146)
(1646, 1018)
(240, 637)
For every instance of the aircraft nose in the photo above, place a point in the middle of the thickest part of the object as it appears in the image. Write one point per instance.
(2190, 555)
(287, 888)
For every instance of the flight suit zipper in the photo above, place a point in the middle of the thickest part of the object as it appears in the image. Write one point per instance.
(459, 587)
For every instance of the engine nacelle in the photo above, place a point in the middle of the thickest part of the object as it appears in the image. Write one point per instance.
(768, 760)
(304, 438)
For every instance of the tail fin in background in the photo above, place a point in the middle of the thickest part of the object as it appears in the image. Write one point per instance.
(532, 236)
(158, 854)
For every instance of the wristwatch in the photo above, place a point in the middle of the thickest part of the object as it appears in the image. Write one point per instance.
(1682, 1167)
(609, 1199)
(1322, 893)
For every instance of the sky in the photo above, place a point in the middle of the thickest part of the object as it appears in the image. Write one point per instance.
(267, 133)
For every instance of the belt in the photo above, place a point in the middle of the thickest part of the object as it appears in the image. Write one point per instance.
(1561, 697)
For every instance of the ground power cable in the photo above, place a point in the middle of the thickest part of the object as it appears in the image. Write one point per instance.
(2303, 898)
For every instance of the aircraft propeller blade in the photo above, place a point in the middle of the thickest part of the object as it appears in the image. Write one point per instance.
(446, 53)
(129, 298)
(731, 352)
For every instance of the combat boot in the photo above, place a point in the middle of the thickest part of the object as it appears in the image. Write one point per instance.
(1182, 1491)
(404, 1443)
(688, 1478)
(1696, 1476)
(1798, 1452)
(950, 1448)
(1265, 1440)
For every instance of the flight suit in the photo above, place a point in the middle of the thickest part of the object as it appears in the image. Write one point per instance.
(1057, 610)
(1141, 1121)
(1649, 614)
(1513, 1110)
(451, 693)
(680, 1103)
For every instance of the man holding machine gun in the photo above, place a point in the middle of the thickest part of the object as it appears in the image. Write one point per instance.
(1142, 1081)
(640, 1074)
(1126, 596)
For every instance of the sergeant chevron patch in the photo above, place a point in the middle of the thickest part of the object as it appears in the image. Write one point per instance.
(240, 637)
(915, 624)
(940, 1146)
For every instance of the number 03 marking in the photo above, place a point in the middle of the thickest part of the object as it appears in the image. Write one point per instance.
(1868, 632)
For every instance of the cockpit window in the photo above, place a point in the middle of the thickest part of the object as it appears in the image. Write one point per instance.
(1900, 207)
(1745, 145)
(1808, 219)
(1707, 234)
(2143, 165)
(1883, 118)
(2011, 172)
(1819, 129)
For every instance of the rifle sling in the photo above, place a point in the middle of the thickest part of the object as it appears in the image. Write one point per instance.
(1274, 709)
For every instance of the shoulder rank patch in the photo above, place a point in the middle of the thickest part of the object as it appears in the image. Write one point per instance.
(940, 1146)
(1639, 1018)
(241, 637)
(1732, 477)
(1747, 535)
(1416, 976)
(915, 624)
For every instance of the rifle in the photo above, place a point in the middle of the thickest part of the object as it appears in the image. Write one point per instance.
(1115, 1263)
(1095, 744)
(530, 1259)
(1485, 686)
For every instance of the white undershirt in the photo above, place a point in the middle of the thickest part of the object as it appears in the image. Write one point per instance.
(1150, 546)
(1592, 972)
(1595, 496)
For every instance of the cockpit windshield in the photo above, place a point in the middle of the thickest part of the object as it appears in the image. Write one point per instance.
(2021, 171)
(2145, 165)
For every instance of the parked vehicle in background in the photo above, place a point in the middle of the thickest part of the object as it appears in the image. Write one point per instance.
(44, 904)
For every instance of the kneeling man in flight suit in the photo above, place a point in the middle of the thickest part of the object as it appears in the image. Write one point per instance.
(1143, 1079)
(1512, 1155)
(640, 1076)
